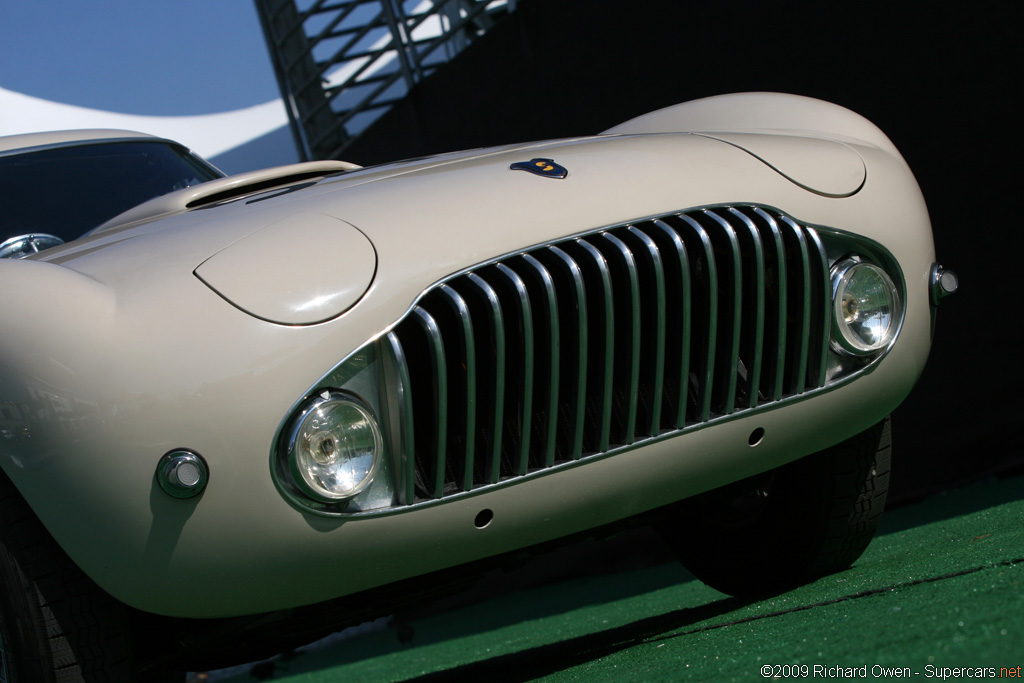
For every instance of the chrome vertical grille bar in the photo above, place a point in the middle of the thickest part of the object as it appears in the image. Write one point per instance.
(497, 388)
(731, 270)
(822, 297)
(572, 406)
(655, 336)
(467, 399)
(798, 364)
(433, 461)
(707, 288)
(624, 393)
(779, 284)
(593, 343)
(406, 428)
(546, 439)
(525, 397)
(754, 294)
(601, 312)
(677, 258)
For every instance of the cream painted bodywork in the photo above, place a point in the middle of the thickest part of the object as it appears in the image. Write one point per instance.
(123, 353)
(28, 141)
(236, 185)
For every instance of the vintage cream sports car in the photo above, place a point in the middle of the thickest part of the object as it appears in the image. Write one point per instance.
(258, 408)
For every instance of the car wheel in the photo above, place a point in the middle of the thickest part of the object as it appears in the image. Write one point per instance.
(789, 526)
(56, 625)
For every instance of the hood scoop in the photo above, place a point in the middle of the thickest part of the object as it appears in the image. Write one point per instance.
(223, 189)
(302, 270)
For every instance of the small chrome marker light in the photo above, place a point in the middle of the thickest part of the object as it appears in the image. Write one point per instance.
(944, 282)
(182, 474)
(335, 447)
(866, 308)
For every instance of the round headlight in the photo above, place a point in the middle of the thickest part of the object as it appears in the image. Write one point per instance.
(866, 308)
(335, 448)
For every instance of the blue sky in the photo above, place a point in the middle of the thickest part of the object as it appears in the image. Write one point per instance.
(163, 58)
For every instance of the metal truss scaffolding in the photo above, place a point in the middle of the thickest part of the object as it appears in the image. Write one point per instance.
(341, 64)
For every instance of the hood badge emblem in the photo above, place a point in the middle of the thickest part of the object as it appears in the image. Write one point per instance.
(546, 168)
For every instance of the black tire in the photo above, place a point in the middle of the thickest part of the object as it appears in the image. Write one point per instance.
(56, 625)
(787, 527)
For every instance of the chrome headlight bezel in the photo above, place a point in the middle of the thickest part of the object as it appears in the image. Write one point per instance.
(849, 321)
(356, 381)
(316, 444)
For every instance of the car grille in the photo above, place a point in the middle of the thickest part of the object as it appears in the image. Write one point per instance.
(592, 344)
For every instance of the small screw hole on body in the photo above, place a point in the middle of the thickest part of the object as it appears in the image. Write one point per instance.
(756, 437)
(483, 518)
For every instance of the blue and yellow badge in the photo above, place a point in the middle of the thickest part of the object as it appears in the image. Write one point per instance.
(542, 167)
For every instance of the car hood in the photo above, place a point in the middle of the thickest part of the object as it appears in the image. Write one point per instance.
(307, 253)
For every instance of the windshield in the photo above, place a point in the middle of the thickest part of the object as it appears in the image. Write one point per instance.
(67, 191)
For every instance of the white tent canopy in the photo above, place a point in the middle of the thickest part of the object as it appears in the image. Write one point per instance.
(207, 134)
